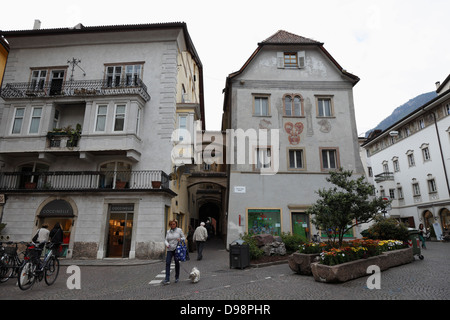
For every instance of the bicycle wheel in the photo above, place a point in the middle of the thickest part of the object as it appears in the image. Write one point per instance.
(51, 271)
(6, 268)
(27, 276)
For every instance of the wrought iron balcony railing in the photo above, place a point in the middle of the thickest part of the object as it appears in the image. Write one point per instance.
(385, 176)
(83, 180)
(79, 88)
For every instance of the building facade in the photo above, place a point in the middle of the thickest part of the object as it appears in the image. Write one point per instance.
(409, 163)
(289, 117)
(88, 116)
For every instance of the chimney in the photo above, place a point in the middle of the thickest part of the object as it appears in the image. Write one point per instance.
(37, 24)
(438, 84)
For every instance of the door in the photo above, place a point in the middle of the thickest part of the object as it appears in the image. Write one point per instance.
(300, 225)
(57, 82)
(119, 236)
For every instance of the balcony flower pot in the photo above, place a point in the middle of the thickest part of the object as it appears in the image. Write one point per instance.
(30, 185)
(120, 184)
(156, 184)
(300, 263)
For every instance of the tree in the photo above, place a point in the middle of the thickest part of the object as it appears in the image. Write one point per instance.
(348, 203)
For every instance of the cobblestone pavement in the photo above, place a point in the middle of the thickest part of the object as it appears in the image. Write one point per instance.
(426, 279)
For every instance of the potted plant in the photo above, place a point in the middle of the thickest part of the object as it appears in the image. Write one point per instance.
(156, 184)
(120, 184)
(30, 185)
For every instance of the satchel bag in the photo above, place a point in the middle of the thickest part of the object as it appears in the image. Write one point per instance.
(181, 253)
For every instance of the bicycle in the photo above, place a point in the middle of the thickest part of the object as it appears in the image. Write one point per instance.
(10, 261)
(35, 269)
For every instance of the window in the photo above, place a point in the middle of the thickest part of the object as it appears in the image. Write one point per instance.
(56, 119)
(35, 120)
(324, 107)
(263, 158)
(400, 192)
(182, 126)
(291, 60)
(421, 124)
(100, 123)
(426, 154)
(385, 167)
(296, 159)
(132, 74)
(407, 132)
(264, 221)
(138, 120)
(396, 165)
(261, 106)
(120, 75)
(392, 193)
(18, 119)
(416, 189)
(329, 159)
(38, 79)
(370, 171)
(293, 105)
(113, 76)
(432, 186)
(119, 118)
(411, 161)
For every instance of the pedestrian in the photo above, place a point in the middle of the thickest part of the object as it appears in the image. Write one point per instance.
(41, 237)
(173, 236)
(422, 233)
(56, 236)
(200, 236)
(190, 239)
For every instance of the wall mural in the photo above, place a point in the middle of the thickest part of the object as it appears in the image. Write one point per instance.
(293, 131)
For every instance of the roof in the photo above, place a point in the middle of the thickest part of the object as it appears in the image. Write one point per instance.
(282, 37)
(442, 85)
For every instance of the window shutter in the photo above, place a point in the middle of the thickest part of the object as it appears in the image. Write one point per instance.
(301, 59)
(280, 60)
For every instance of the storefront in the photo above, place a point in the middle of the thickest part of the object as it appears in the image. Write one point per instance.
(120, 230)
(58, 211)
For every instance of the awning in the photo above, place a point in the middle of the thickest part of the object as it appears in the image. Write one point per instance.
(57, 208)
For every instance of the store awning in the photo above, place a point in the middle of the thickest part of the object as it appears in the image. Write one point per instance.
(57, 208)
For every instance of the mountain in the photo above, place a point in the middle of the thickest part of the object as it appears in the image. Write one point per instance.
(404, 110)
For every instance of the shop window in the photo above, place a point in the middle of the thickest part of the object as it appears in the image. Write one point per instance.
(264, 221)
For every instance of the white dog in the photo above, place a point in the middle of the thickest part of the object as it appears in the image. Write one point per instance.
(194, 275)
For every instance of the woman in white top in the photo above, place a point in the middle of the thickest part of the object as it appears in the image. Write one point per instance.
(173, 236)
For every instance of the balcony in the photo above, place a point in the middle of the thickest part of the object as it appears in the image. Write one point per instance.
(83, 181)
(79, 88)
(385, 176)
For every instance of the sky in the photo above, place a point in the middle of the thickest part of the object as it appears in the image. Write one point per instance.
(398, 48)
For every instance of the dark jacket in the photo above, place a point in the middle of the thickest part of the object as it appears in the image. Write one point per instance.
(56, 234)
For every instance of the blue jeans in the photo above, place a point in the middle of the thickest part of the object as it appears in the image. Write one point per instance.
(169, 256)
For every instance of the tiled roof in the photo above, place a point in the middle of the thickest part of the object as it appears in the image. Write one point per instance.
(284, 37)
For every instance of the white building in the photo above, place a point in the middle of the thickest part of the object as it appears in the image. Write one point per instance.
(410, 162)
(86, 122)
(293, 88)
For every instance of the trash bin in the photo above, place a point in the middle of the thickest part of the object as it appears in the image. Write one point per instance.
(239, 254)
(414, 242)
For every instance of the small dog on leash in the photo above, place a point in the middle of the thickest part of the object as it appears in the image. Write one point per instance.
(194, 276)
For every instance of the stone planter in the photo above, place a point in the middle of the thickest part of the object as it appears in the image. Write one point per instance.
(358, 268)
(301, 262)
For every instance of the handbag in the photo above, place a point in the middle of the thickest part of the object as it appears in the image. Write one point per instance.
(181, 253)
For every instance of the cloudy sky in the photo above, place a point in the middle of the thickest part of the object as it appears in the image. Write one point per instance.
(399, 48)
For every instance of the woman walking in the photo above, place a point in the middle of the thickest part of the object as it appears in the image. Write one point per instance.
(173, 236)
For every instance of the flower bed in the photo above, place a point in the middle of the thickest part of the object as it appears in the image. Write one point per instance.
(356, 250)
(358, 268)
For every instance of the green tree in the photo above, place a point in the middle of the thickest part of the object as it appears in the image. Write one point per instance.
(346, 204)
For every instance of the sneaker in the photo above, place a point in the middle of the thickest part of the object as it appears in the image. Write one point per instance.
(166, 282)
(176, 280)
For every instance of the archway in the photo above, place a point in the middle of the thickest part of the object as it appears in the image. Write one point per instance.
(211, 212)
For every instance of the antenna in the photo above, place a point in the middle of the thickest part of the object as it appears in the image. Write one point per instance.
(75, 62)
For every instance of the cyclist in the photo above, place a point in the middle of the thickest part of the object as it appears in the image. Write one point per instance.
(56, 236)
(42, 235)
